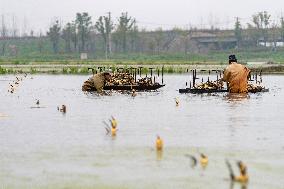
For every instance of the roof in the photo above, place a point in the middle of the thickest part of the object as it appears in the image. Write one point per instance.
(215, 39)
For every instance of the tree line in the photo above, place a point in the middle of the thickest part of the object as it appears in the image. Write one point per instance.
(80, 34)
(262, 29)
(122, 35)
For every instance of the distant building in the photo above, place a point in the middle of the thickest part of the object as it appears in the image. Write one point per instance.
(272, 44)
(205, 41)
(214, 43)
(84, 56)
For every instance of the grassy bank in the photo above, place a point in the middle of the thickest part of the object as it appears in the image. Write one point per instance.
(212, 57)
(173, 62)
(83, 68)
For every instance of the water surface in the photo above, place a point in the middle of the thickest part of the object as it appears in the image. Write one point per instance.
(43, 148)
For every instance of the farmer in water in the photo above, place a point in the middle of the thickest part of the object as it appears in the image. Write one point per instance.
(236, 76)
(97, 81)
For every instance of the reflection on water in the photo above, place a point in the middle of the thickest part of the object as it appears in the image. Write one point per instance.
(43, 148)
(238, 186)
(235, 97)
(159, 154)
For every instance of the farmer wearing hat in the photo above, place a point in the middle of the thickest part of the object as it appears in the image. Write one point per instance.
(97, 81)
(236, 75)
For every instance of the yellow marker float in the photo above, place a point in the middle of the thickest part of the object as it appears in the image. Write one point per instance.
(159, 143)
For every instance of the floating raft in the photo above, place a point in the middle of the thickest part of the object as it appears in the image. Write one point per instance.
(201, 91)
(130, 87)
(135, 87)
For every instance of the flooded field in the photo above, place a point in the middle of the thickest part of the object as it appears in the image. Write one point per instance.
(44, 148)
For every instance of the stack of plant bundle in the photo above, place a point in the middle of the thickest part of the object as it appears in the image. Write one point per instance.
(121, 79)
(124, 81)
(146, 81)
(253, 88)
(210, 85)
(88, 85)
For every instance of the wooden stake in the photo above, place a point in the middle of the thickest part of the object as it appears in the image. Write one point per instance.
(163, 74)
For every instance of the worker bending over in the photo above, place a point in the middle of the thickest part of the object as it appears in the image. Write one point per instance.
(236, 76)
(97, 81)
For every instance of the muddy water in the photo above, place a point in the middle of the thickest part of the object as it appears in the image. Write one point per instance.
(43, 148)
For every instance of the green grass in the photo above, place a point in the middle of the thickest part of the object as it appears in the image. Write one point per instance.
(7, 71)
(80, 70)
(133, 59)
(3, 70)
(28, 53)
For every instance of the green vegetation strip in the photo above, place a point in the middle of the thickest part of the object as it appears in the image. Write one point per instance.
(83, 68)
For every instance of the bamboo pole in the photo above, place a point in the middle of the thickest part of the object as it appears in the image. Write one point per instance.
(163, 74)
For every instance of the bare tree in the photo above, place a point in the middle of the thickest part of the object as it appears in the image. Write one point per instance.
(159, 38)
(54, 35)
(4, 34)
(282, 28)
(266, 21)
(134, 37)
(25, 27)
(74, 35)
(14, 26)
(40, 42)
(261, 21)
(238, 32)
(151, 46)
(83, 21)
(274, 35)
(32, 33)
(104, 26)
(185, 37)
(255, 30)
(141, 46)
(125, 23)
(170, 37)
(67, 36)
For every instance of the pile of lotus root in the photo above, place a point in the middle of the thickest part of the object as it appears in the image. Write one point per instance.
(210, 85)
(128, 79)
(215, 85)
(121, 79)
(255, 88)
(146, 81)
